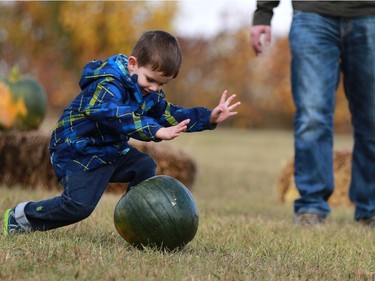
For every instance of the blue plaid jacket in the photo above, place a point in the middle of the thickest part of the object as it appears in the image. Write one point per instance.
(95, 128)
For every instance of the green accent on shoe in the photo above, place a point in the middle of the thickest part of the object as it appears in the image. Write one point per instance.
(6, 222)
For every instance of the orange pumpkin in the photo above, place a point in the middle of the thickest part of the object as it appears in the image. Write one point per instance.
(23, 103)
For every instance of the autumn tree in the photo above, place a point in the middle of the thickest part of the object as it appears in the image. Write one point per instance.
(53, 40)
(212, 65)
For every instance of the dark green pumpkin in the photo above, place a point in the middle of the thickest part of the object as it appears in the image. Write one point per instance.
(26, 107)
(159, 212)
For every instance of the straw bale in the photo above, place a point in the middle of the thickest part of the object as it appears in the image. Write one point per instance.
(342, 172)
(25, 161)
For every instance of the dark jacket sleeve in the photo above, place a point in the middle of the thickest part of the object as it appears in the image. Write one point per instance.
(172, 114)
(264, 12)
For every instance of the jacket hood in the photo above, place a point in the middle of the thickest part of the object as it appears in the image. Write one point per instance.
(115, 67)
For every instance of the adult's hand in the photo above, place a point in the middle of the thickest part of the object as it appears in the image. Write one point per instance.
(256, 34)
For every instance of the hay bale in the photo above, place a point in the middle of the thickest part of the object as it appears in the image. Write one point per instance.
(25, 161)
(342, 171)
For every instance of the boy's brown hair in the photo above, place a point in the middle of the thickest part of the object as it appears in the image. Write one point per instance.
(160, 51)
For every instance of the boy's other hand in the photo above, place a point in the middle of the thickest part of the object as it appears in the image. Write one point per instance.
(170, 133)
(224, 109)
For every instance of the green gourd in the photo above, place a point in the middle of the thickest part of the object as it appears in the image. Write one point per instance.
(159, 212)
(23, 103)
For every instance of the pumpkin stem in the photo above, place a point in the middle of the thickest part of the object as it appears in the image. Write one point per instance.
(14, 74)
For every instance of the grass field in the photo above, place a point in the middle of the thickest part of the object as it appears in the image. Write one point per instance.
(244, 232)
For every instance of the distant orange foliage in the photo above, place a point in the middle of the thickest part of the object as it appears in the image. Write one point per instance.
(54, 40)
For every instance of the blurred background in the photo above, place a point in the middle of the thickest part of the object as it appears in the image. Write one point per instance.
(53, 41)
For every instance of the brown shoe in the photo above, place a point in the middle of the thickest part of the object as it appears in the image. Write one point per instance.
(370, 221)
(309, 219)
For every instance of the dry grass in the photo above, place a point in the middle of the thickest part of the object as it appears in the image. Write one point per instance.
(245, 233)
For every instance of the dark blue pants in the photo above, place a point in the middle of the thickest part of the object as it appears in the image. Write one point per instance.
(82, 192)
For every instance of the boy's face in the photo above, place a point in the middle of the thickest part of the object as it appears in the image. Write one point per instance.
(148, 79)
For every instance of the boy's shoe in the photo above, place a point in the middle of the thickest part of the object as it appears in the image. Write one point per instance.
(309, 219)
(10, 224)
(370, 222)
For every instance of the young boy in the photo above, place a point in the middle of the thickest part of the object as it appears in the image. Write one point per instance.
(121, 98)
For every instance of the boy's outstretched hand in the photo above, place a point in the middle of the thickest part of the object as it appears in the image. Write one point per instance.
(170, 133)
(224, 109)
(218, 115)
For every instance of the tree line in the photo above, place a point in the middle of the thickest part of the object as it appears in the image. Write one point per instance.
(54, 40)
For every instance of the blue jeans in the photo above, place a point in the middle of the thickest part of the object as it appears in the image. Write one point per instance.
(322, 47)
(82, 192)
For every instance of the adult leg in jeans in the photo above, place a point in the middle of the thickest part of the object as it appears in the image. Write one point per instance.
(315, 72)
(359, 82)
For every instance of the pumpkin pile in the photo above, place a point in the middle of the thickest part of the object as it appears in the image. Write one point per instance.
(23, 103)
